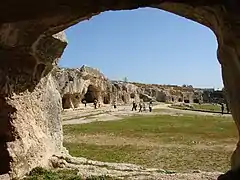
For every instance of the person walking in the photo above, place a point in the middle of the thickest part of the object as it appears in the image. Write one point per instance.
(150, 106)
(114, 105)
(95, 104)
(227, 107)
(140, 107)
(85, 103)
(134, 106)
(222, 107)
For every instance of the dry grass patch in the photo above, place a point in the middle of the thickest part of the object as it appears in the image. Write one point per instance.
(181, 143)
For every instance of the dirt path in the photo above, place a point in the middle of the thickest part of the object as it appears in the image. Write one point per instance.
(108, 113)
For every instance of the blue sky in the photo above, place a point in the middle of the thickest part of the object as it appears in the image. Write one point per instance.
(145, 45)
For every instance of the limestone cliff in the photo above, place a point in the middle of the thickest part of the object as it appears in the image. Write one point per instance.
(30, 109)
(86, 83)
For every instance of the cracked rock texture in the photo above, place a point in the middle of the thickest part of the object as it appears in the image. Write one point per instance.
(31, 130)
(74, 84)
(29, 51)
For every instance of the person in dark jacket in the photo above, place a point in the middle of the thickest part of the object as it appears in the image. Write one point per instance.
(85, 102)
(95, 104)
(222, 107)
(134, 106)
(150, 106)
(140, 107)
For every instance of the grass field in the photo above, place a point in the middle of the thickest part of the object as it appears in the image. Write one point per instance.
(209, 107)
(179, 143)
(204, 107)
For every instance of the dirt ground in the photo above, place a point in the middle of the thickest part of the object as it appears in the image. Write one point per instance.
(108, 113)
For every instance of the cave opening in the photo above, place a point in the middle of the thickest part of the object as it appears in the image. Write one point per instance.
(6, 135)
(106, 99)
(132, 95)
(186, 101)
(46, 19)
(196, 100)
(91, 94)
(66, 101)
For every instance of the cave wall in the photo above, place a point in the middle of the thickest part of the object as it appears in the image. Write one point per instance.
(29, 52)
(31, 130)
(37, 130)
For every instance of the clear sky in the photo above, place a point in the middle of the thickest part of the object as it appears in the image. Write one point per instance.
(145, 45)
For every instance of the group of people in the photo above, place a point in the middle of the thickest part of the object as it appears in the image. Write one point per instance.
(96, 103)
(142, 106)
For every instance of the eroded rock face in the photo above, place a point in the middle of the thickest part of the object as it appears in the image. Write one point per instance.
(37, 125)
(86, 83)
(169, 93)
(31, 130)
(28, 53)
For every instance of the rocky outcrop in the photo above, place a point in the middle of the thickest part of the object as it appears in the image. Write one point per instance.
(31, 130)
(86, 83)
(29, 51)
(37, 134)
(170, 93)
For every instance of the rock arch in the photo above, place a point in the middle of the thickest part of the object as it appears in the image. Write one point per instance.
(29, 50)
(91, 94)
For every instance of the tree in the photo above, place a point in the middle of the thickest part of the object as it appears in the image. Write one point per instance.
(125, 79)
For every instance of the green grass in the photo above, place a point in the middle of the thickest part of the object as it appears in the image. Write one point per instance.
(43, 174)
(177, 159)
(161, 127)
(180, 143)
(209, 107)
(203, 107)
(180, 107)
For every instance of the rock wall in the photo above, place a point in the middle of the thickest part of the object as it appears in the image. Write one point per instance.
(74, 84)
(30, 107)
(86, 83)
(37, 127)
